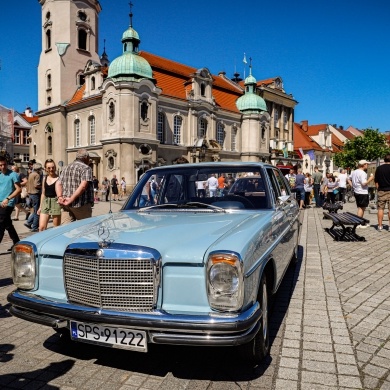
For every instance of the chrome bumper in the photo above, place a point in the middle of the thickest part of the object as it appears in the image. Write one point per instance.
(163, 328)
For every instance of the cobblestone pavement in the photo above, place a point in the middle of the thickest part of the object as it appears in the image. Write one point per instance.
(329, 330)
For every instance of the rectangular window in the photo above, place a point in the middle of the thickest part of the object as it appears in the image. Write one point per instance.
(25, 137)
(17, 136)
(26, 157)
(233, 140)
(92, 131)
(77, 133)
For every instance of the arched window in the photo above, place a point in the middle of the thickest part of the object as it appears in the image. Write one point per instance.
(92, 83)
(202, 128)
(48, 39)
(220, 134)
(233, 139)
(92, 131)
(161, 127)
(48, 81)
(177, 121)
(81, 80)
(77, 132)
(49, 145)
(82, 39)
(48, 100)
(144, 111)
(111, 111)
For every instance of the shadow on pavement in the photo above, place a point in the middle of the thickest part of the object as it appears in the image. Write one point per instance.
(202, 363)
(6, 282)
(36, 379)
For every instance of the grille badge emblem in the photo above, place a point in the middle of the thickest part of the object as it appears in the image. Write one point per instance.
(100, 253)
(104, 233)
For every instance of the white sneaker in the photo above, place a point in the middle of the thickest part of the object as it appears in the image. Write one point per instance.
(363, 226)
(380, 228)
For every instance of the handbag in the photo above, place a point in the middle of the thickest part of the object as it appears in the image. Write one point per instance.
(24, 193)
(335, 191)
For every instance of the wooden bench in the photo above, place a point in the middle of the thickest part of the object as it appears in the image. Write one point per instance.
(348, 222)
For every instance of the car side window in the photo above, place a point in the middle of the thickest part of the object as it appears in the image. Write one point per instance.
(274, 183)
(284, 189)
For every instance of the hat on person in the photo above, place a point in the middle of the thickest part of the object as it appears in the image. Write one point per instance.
(362, 162)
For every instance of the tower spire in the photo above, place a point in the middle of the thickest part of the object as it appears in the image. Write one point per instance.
(131, 13)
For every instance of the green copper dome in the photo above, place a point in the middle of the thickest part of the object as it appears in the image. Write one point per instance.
(250, 102)
(130, 65)
(130, 33)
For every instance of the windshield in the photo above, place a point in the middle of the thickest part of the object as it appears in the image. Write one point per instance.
(224, 187)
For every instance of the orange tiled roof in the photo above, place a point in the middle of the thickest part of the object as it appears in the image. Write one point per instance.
(173, 77)
(78, 96)
(302, 139)
(30, 119)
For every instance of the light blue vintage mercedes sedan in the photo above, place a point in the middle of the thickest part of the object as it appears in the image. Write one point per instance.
(192, 258)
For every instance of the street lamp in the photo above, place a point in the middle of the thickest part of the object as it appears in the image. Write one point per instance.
(327, 164)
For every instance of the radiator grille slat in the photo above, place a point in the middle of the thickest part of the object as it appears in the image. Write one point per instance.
(115, 284)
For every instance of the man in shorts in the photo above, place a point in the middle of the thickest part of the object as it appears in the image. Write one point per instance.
(359, 183)
(382, 182)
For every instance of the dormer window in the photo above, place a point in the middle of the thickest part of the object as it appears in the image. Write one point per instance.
(203, 90)
(47, 15)
(92, 83)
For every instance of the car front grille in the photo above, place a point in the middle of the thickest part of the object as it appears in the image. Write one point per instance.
(121, 284)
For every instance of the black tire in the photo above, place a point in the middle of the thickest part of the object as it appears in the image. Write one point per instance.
(254, 351)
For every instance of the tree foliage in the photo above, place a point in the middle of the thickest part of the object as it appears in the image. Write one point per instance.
(370, 146)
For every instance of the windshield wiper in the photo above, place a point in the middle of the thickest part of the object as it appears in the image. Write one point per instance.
(188, 205)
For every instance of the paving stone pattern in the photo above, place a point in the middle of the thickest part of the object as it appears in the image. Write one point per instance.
(329, 330)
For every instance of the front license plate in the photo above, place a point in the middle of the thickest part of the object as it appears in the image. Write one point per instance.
(98, 334)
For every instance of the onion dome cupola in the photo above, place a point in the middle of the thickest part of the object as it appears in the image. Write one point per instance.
(250, 102)
(130, 66)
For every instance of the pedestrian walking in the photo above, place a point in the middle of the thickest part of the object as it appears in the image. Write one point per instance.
(9, 189)
(317, 180)
(308, 189)
(342, 181)
(34, 189)
(20, 200)
(331, 189)
(106, 188)
(49, 203)
(123, 188)
(300, 188)
(359, 183)
(114, 187)
(74, 189)
(382, 183)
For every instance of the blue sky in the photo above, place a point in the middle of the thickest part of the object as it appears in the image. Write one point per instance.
(333, 55)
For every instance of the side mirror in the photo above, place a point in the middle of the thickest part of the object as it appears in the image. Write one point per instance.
(284, 199)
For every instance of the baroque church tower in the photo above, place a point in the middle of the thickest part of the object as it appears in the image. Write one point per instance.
(69, 39)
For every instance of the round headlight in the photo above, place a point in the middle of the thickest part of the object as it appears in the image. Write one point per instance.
(224, 278)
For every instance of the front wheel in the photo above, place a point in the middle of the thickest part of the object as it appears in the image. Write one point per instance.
(259, 346)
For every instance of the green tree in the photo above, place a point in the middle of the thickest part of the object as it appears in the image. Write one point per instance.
(370, 146)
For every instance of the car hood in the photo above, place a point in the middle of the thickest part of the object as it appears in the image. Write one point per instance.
(179, 237)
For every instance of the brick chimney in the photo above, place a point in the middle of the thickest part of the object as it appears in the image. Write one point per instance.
(305, 125)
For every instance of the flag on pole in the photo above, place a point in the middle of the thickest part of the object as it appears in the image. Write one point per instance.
(311, 155)
(300, 152)
(244, 60)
